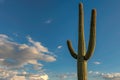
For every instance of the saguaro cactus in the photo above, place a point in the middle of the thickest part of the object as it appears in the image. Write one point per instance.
(82, 56)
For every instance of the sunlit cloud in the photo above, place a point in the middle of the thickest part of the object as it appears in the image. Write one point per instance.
(13, 54)
(14, 75)
(37, 45)
(18, 78)
(38, 77)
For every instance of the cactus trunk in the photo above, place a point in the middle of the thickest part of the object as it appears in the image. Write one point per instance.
(82, 56)
(82, 70)
(81, 63)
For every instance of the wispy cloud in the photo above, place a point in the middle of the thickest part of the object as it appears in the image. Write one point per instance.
(15, 34)
(97, 62)
(48, 21)
(59, 47)
(106, 76)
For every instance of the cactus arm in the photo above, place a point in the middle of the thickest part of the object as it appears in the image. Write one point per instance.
(73, 54)
(81, 39)
(92, 39)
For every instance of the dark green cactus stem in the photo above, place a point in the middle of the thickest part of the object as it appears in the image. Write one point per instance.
(82, 56)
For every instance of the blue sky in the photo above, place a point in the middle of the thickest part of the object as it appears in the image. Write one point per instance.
(33, 36)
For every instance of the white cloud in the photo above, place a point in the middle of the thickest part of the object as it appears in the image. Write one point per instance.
(90, 72)
(18, 78)
(37, 45)
(97, 63)
(38, 77)
(106, 76)
(14, 75)
(111, 76)
(59, 47)
(13, 54)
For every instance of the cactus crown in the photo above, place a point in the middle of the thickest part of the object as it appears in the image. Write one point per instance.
(81, 41)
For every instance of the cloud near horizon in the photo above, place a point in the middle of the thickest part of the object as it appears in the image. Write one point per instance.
(106, 76)
(14, 55)
(15, 75)
(64, 76)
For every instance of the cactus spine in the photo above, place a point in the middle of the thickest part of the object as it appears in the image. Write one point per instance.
(82, 56)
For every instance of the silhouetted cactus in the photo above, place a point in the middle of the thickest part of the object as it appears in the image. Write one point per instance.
(82, 55)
